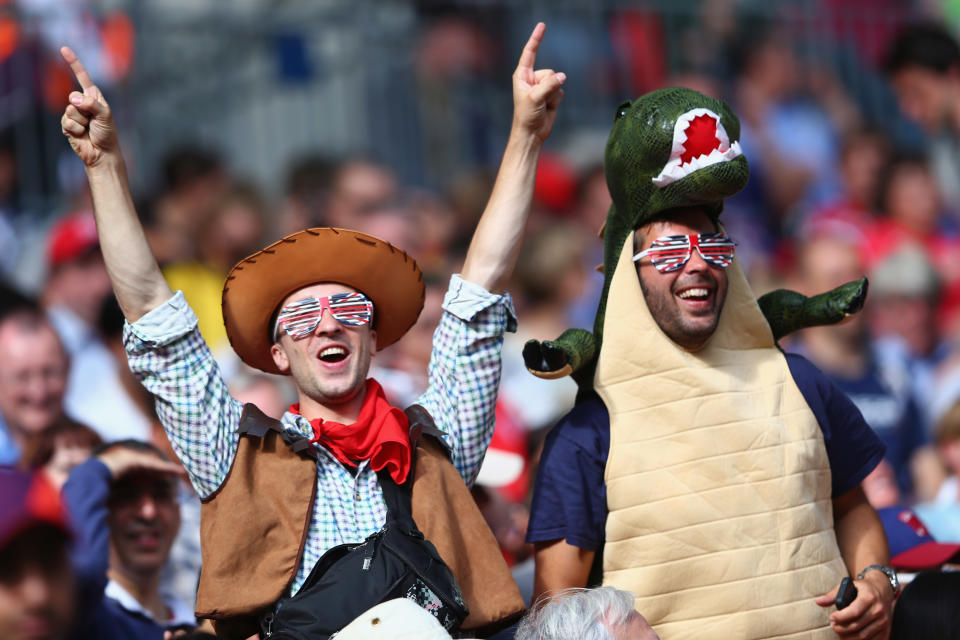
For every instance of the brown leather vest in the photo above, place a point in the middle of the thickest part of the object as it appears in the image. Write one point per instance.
(254, 527)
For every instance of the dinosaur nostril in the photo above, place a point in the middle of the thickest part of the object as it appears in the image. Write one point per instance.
(622, 110)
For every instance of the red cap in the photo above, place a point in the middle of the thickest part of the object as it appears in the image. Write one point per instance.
(71, 238)
(555, 186)
(26, 501)
(911, 546)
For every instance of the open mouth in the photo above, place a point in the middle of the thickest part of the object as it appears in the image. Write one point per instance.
(332, 355)
(695, 294)
(145, 540)
(696, 298)
(699, 140)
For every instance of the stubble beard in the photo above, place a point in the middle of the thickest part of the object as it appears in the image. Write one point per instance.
(341, 390)
(670, 317)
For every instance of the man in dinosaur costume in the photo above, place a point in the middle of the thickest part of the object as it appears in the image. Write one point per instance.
(719, 477)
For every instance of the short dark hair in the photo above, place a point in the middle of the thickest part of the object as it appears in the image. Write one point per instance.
(184, 165)
(901, 160)
(11, 300)
(925, 45)
(135, 445)
(667, 215)
(75, 432)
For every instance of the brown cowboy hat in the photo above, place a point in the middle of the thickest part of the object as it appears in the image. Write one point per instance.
(257, 285)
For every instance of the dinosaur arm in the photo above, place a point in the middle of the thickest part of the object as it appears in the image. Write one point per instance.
(561, 357)
(788, 311)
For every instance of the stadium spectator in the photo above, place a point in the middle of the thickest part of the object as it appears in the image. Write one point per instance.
(33, 376)
(194, 181)
(37, 591)
(912, 545)
(76, 289)
(910, 202)
(233, 229)
(550, 278)
(879, 387)
(9, 209)
(881, 487)
(272, 394)
(67, 445)
(902, 313)
(123, 503)
(927, 608)
(308, 185)
(948, 444)
(676, 452)
(593, 204)
(10, 300)
(359, 187)
(790, 136)
(863, 154)
(603, 613)
(923, 64)
(183, 566)
(904, 291)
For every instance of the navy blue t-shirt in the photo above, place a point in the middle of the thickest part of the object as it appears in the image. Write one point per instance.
(570, 496)
(893, 415)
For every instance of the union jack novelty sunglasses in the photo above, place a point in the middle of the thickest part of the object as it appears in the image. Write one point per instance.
(299, 319)
(670, 253)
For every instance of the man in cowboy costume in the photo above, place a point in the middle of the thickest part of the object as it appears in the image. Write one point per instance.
(316, 305)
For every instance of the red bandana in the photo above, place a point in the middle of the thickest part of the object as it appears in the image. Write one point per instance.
(381, 435)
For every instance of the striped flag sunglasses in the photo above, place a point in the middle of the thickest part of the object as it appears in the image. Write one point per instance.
(670, 253)
(299, 319)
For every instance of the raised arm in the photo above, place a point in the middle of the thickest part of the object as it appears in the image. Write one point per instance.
(89, 127)
(166, 352)
(496, 242)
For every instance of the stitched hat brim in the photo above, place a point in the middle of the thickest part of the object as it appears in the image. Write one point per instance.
(257, 285)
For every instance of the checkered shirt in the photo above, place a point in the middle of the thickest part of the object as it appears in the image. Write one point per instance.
(171, 359)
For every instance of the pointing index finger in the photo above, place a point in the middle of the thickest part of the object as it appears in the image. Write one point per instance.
(529, 55)
(77, 67)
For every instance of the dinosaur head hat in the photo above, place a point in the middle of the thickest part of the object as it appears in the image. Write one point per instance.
(669, 149)
(673, 148)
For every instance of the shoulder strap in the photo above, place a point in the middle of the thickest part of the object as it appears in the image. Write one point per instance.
(422, 424)
(398, 497)
(257, 424)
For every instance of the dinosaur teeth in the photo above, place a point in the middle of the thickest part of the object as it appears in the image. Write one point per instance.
(676, 169)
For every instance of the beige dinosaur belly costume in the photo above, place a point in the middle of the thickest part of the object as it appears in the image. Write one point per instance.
(718, 483)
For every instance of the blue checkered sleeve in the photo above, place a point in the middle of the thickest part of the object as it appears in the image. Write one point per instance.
(464, 372)
(169, 356)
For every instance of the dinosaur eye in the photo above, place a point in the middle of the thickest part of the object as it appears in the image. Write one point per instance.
(622, 110)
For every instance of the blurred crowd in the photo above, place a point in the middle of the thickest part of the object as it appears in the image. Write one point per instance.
(835, 194)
